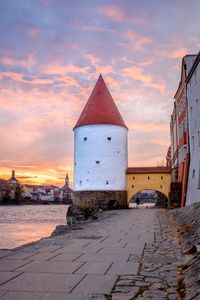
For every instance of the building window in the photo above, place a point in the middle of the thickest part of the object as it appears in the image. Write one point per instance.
(161, 177)
(191, 112)
(148, 177)
(133, 177)
(197, 106)
(193, 173)
(97, 161)
(132, 186)
(85, 138)
(107, 182)
(161, 186)
(198, 137)
(109, 138)
(193, 143)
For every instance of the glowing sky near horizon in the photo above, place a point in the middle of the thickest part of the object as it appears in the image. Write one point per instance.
(51, 54)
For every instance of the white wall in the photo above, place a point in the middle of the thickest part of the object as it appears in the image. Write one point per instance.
(110, 172)
(193, 189)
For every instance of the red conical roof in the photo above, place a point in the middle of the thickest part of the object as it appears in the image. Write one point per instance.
(100, 108)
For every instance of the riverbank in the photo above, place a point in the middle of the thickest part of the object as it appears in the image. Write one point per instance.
(125, 254)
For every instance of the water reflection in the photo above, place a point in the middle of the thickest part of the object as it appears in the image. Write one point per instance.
(24, 224)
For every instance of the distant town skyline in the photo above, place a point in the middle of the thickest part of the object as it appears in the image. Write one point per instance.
(51, 55)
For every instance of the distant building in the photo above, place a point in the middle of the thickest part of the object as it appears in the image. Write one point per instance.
(193, 95)
(66, 187)
(13, 181)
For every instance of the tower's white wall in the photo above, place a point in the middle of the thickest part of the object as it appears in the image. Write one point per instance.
(110, 172)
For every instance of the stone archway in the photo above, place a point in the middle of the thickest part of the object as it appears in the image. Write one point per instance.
(148, 178)
(150, 198)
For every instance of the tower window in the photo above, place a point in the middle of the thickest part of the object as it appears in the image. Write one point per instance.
(162, 177)
(97, 161)
(109, 138)
(161, 186)
(133, 177)
(85, 138)
(132, 186)
(107, 182)
(148, 177)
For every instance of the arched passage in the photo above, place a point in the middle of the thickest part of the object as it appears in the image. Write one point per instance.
(149, 198)
(147, 178)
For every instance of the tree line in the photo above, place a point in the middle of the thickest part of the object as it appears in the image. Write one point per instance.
(10, 193)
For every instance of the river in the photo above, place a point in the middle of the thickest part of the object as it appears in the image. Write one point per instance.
(23, 224)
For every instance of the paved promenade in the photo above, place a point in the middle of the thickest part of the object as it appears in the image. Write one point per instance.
(121, 256)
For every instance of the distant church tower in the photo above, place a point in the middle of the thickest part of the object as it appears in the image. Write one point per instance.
(100, 151)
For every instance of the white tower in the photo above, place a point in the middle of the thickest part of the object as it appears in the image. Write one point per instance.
(100, 149)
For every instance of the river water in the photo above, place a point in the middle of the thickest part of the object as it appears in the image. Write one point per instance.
(23, 224)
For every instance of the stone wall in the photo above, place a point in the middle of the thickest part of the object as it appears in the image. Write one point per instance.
(100, 199)
(188, 220)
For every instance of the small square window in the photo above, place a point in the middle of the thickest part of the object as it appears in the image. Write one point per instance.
(97, 161)
(107, 182)
(109, 138)
(85, 138)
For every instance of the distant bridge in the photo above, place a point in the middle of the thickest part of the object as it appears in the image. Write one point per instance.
(139, 179)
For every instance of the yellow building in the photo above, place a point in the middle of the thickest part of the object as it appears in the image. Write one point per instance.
(139, 179)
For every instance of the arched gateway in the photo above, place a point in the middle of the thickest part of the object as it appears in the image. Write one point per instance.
(147, 178)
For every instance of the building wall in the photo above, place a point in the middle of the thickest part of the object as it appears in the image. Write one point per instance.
(148, 181)
(193, 89)
(174, 138)
(100, 158)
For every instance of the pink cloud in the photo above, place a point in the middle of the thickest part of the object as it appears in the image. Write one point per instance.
(137, 73)
(118, 14)
(178, 53)
(136, 41)
(33, 32)
(11, 61)
(160, 141)
(148, 126)
(114, 12)
(59, 68)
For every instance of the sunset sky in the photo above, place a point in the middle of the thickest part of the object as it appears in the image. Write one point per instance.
(51, 54)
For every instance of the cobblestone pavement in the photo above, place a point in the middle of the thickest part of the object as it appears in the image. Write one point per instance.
(160, 272)
(127, 254)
